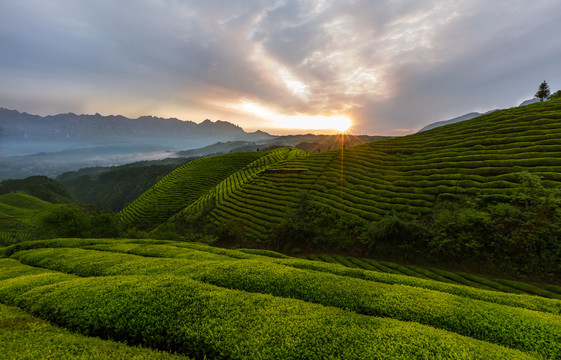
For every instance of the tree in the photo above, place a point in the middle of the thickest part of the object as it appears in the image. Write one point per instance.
(555, 95)
(543, 91)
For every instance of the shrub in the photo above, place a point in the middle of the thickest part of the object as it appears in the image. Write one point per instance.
(168, 298)
(318, 226)
(23, 336)
(179, 314)
(393, 234)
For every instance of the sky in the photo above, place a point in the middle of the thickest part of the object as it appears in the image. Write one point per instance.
(389, 67)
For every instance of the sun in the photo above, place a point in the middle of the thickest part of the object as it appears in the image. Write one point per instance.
(299, 121)
(338, 123)
(342, 124)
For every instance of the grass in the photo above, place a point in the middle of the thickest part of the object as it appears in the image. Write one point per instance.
(23, 201)
(199, 300)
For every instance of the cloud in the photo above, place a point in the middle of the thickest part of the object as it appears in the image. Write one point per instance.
(390, 65)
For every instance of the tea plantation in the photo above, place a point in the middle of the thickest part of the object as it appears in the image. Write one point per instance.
(195, 300)
(185, 185)
(478, 157)
(482, 192)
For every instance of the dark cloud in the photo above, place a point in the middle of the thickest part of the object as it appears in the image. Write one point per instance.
(389, 64)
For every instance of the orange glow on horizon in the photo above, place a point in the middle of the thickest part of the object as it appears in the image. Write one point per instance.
(337, 123)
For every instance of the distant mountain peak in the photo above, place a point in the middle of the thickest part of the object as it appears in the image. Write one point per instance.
(529, 101)
(467, 116)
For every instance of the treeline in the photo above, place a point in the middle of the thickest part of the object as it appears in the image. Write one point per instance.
(41, 187)
(115, 187)
(76, 221)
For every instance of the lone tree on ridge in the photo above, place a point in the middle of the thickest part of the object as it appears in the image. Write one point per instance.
(543, 91)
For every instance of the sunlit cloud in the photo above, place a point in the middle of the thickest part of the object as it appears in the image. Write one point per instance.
(297, 87)
(335, 122)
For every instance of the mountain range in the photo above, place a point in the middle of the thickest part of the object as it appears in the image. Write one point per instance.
(51, 145)
(23, 134)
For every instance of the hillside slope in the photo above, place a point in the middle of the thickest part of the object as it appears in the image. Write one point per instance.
(17, 212)
(41, 187)
(407, 174)
(116, 186)
(479, 191)
(185, 185)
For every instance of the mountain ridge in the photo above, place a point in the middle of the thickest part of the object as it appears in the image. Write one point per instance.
(21, 131)
(64, 121)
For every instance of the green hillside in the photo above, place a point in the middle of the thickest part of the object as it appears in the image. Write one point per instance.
(202, 301)
(407, 174)
(17, 212)
(183, 186)
(24, 217)
(116, 186)
(489, 172)
(41, 187)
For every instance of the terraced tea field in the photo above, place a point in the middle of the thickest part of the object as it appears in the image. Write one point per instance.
(196, 181)
(199, 301)
(459, 278)
(17, 212)
(408, 174)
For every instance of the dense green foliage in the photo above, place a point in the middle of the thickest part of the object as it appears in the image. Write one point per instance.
(40, 187)
(318, 226)
(76, 221)
(543, 91)
(199, 300)
(519, 233)
(115, 187)
(23, 336)
(454, 193)
(24, 217)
